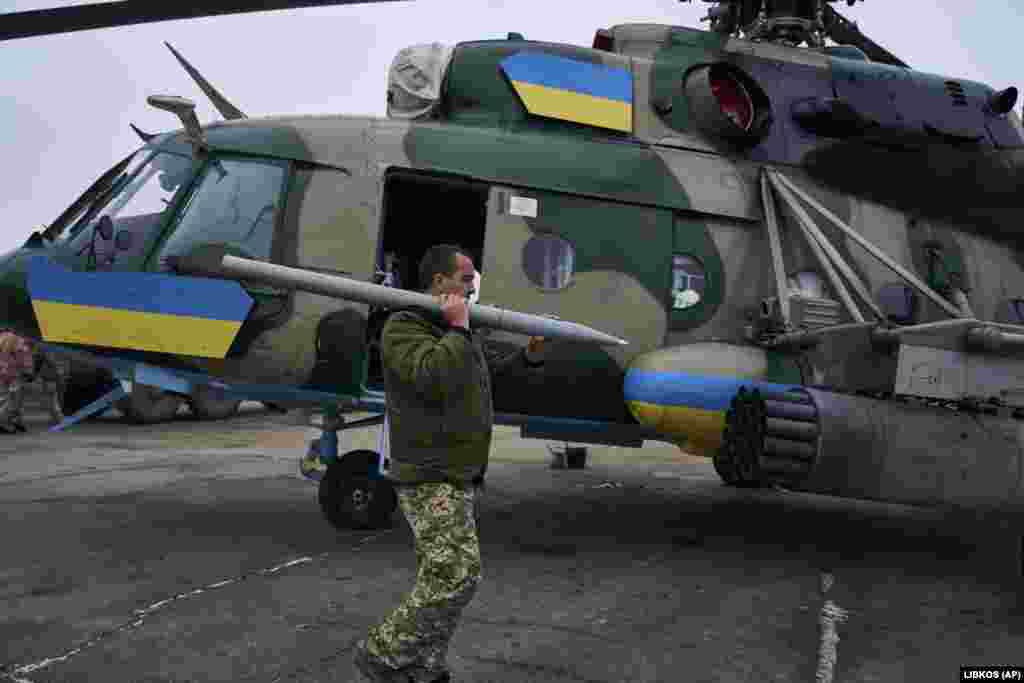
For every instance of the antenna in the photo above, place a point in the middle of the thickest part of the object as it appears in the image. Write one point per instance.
(146, 137)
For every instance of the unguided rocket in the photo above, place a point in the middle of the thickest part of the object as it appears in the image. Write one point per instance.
(350, 289)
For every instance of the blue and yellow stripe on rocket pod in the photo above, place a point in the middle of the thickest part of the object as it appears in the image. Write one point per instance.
(571, 90)
(690, 405)
(189, 316)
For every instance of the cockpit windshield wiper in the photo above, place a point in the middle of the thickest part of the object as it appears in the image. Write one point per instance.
(100, 199)
(97, 190)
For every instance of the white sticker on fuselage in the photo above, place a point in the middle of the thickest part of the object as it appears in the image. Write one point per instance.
(522, 206)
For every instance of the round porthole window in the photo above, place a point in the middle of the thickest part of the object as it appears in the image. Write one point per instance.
(807, 283)
(688, 281)
(548, 261)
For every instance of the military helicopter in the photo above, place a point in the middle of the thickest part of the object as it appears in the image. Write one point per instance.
(811, 249)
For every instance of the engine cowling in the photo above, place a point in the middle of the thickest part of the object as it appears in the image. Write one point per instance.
(728, 104)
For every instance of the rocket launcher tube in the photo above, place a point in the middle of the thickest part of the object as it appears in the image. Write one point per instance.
(350, 289)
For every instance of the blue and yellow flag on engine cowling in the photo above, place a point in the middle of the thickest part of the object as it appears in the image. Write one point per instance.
(570, 90)
(188, 316)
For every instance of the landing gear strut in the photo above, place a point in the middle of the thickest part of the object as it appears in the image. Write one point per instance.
(352, 494)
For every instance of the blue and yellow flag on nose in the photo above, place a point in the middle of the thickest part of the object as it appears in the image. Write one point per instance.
(570, 90)
(189, 316)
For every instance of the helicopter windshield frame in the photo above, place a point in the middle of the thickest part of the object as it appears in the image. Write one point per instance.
(84, 213)
(257, 195)
(176, 173)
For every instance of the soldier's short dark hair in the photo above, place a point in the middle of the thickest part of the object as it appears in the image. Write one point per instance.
(440, 258)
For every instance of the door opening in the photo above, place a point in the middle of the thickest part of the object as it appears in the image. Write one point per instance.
(419, 211)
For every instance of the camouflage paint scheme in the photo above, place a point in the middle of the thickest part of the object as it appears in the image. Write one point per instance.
(626, 203)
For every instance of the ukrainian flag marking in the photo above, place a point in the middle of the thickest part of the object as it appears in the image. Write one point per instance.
(189, 316)
(687, 404)
(570, 90)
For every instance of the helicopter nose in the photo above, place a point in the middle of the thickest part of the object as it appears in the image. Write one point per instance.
(16, 310)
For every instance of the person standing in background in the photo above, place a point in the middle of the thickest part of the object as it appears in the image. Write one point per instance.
(16, 368)
(52, 374)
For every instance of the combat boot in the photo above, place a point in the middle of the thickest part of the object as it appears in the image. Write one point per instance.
(375, 671)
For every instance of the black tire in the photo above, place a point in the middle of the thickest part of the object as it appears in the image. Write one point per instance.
(82, 388)
(149, 405)
(205, 404)
(351, 499)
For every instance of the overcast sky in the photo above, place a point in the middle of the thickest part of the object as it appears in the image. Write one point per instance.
(68, 99)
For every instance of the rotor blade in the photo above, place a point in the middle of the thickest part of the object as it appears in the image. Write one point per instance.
(842, 30)
(128, 12)
(226, 109)
(146, 137)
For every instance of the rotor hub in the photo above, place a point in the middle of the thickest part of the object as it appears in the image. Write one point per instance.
(791, 22)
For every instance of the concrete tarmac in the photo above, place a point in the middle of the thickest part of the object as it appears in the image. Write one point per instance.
(196, 552)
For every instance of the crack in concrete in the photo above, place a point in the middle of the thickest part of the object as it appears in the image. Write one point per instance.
(141, 614)
(15, 674)
(14, 679)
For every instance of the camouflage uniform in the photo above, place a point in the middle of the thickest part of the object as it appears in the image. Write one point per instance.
(16, 366)
(415, 637)
(440, 413)
(52, 373)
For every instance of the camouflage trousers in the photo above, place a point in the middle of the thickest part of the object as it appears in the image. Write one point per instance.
(52, 378)
(12, 399)
(417, 633)
(54, 401)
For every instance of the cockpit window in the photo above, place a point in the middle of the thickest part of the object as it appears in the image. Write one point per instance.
(236, 203)
(93, 195)
(135, 204)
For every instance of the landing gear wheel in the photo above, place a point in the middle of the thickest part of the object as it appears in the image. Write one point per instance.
(147, 405)
(351, 499)
(207, 405)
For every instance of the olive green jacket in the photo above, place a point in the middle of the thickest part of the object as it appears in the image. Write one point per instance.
(438, 381)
